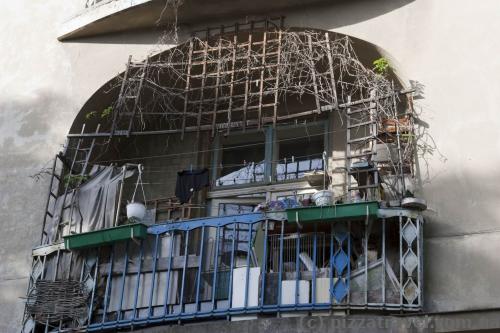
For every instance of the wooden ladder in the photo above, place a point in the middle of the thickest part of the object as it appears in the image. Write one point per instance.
(361, 146)
(130, 93)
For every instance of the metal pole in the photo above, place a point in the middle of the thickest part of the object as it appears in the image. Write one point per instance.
(231, 267)
(153, 275)
(200, 267)
(108, 283)
(167, 288)
(184, 269)
(264, 265)
(249, 249)
(384, 274)
(138, 281)
(118, 207)
(280, 273)
(94, 286)
(124, 276)
(315, 244)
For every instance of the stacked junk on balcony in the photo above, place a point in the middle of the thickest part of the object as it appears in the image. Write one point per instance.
(344, 234)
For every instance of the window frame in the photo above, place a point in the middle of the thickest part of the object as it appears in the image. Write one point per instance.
(271, 153)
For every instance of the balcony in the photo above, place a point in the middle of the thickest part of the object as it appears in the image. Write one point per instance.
(243, 266)
(289, 208)
(109, 16)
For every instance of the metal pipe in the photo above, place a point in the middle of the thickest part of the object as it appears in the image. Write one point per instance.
(332, 251)
(231, 267)
(365, 245)
(138, 281)
(200, 268)
(118, 207)
(167, 288)
(400, 261)
(315, 244)
(124, 276)
(280, 274)
(184, 269)
(297, 266)
(249, 249)
(108, 283)
(348, 282)
(89, 320)
(264, 265)
(383, 261)
(153, 275)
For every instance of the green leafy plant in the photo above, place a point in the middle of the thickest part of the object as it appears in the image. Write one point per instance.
(107, 112)
(104, 113)
(381, 66)
(91, 115)
(74, 180)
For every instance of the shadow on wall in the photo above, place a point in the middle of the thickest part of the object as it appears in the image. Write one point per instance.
(325, 15)
(31, 120)
(461, 241)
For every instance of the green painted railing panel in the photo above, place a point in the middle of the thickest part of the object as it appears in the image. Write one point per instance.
(105, 236)
(348, 211)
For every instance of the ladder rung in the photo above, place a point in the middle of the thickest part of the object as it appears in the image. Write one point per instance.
(130, 96)
(138, 64)
(121, 132)
(365, 138)
(361, 110)
(362, 187)
(67, 206)
(53, 195)
(56, 177)
(362, 170)
(371, 122)
(49, 214)
(361, 155)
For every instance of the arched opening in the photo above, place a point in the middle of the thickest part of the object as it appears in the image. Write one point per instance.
(215, 102)
(264, 160)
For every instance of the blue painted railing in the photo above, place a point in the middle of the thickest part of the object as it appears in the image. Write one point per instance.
(252, 264)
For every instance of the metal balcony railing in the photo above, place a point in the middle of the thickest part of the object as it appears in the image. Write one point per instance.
(246, 264)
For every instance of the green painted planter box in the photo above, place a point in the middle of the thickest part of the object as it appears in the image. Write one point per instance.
(350, 211)
(105, 236)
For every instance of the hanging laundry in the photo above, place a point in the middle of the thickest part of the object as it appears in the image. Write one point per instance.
(190, 181)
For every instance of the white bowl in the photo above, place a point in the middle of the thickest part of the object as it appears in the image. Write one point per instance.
(323, 198)
(136, 210)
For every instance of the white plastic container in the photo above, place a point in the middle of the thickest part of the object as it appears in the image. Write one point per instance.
(288, 294)
(238, 293)
(323, 198)
(136, 211)
(289, 291)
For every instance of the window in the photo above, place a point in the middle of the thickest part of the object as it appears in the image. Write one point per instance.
(299, 150)
(272, 155)
(241, 160)
(235, 208)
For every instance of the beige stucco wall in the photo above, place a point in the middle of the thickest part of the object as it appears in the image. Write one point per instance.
(449, 46)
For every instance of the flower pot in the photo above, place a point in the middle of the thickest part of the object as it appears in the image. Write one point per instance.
(323, 198)
(136, 211)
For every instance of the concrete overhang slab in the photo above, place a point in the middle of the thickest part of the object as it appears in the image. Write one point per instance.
(126, 15)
